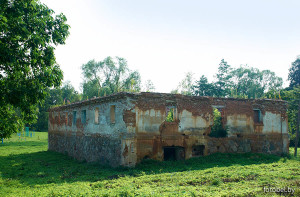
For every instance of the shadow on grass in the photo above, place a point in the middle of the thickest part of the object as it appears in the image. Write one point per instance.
(50, 167)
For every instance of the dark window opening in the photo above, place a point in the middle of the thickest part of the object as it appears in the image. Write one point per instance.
(198, 150)
(112, 114)
(66, 118)
(74, 117)
(257, 116)
(218, 130)
(83, 116)
(174, 153)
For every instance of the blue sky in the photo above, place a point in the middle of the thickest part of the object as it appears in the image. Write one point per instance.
(165, 39)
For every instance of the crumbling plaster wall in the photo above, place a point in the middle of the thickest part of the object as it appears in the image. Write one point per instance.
(140, 130)
(195, 119)
(89, 140)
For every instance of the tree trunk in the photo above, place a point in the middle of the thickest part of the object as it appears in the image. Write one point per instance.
(297, 130)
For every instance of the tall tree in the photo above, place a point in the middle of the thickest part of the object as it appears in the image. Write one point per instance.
(204, 88)
(149, 86)
(186, 85)
(223, 76)
(252, 83)
(294, 73)
(242, 82)
(294, 77)
(109, 76)
(28, 35)
(55, 97)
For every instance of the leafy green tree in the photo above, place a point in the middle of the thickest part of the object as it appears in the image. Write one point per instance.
(149, 86)
(109, 76)
(186, 85)
(242, 82)
(223, 83)
(204, 88)
(248, 82)
(28, 35)
(294, 73)
(56, 97)
(294, 77)
(69, 94)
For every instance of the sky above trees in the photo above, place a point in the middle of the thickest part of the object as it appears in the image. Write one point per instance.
(164, 40)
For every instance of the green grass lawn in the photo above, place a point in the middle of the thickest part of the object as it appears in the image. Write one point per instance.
(28, 169)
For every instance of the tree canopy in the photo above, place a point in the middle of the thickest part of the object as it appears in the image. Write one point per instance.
(55, 97)
(29, 32)
(109, 76)
(242, 82)
(294, 73)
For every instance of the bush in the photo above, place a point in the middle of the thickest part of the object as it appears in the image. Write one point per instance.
(217, 130)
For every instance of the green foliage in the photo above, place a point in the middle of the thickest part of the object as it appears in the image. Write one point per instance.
(56, 97)
(223, 82)
(217, 130)
(28, 169)
(28, 35)
(294, 73)
(186, 85)
(109, 76)
(149, 86)
(242, 82)
(204, 88)
(170, 115)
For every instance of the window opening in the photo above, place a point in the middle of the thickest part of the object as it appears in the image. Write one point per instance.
(97, 115)
(257, 116)
(83, 116)
(171, 114)
(74, 117)
(173, 153)
(66, 118)
(218, 130)
(113, 114)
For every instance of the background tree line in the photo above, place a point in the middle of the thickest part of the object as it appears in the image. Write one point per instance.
(101, 78)
(248, 82)
(113, 75)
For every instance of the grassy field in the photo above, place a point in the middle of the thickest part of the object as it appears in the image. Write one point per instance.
(28, 169)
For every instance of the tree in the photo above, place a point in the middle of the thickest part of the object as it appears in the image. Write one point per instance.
(294, 77)
(223, 83)
(109, 76)
(28, 35)
(149, 86)
(242, 82)
(186, 85)
(56, 97)
(294, 73)
(248, 82)
(204, 88)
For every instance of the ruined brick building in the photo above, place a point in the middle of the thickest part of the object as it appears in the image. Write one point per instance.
(124, 128)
